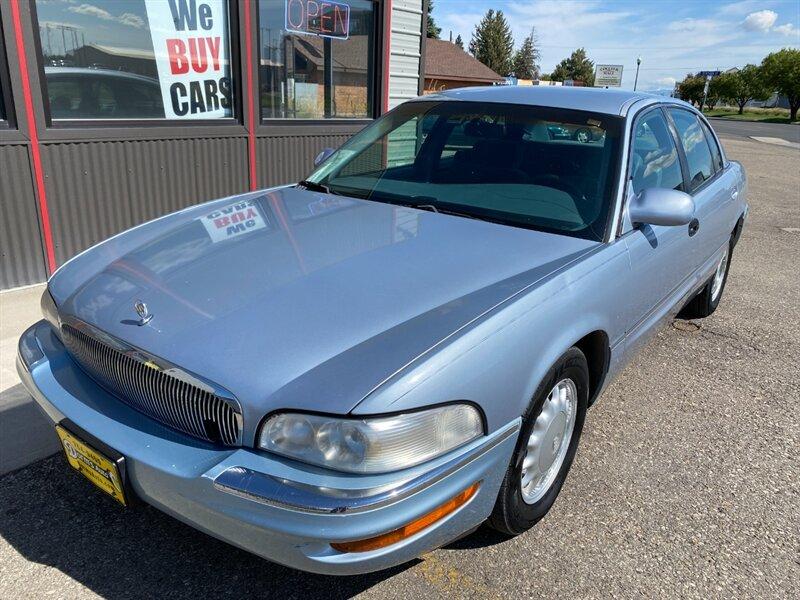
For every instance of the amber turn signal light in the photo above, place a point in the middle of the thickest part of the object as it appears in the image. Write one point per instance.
(406, 531)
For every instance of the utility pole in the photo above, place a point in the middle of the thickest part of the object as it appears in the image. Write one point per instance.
(636, 79)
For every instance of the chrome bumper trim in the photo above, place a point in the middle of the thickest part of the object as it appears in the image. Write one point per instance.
(302, 497)
(29, 350)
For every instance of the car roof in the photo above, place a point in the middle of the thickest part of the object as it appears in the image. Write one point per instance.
(598, 100)
(83, 71)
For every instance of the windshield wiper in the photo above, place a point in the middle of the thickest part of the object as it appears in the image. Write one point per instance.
(314, 187)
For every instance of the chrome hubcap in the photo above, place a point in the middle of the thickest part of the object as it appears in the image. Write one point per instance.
(719, 277)
(549, 441)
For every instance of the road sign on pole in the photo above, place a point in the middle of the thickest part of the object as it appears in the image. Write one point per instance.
(608, 76)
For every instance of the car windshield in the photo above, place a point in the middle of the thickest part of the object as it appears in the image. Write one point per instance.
(541, 168)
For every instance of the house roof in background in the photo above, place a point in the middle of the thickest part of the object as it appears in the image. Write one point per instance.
(445, 60)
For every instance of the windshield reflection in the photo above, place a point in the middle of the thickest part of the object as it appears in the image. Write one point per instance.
(540, 168)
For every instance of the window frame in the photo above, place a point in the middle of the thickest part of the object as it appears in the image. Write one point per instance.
(78, 124)
(7, 121)
(713, 143)
(376, 60)
(685, 161)
(625, 180)
(644, 115)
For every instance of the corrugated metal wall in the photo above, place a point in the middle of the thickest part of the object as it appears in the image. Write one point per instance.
(405, 50)
(21, 256)
(289, 158)
(97, 189)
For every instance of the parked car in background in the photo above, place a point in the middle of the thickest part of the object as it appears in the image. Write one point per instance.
(342, 374)
(96, 93)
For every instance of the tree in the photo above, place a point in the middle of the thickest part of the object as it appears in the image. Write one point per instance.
(577, 67)
(433, 30)
(781, 72)
(741, 86)
(691, 89)
(714, 93)
(526, 59)
(459, 42)
(492, 42)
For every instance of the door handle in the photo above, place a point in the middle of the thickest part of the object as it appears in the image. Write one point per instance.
(694, 226)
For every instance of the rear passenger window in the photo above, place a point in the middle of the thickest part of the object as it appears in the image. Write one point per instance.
(698, 154)
(712, 143)
(654, 161)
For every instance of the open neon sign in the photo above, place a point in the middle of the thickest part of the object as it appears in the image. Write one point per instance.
(318, 17)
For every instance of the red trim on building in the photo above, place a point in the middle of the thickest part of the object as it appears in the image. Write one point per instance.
(38, 172)
(387, 47)
(251, 114)
(285, 223)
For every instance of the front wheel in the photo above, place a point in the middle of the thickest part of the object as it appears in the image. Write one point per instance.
(551, 428)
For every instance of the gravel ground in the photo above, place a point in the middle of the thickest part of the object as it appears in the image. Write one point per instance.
(686, 483)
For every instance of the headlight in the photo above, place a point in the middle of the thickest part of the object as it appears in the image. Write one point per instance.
(374, 444)
(49, 310)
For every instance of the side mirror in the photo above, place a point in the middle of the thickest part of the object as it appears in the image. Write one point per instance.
(323, 156)
(660, 206)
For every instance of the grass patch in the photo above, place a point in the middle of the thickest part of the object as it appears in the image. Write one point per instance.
(764, 115)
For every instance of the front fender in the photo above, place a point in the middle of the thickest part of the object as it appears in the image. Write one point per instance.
(500, 361)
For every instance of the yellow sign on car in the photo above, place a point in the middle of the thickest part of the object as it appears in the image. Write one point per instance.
(93, 465)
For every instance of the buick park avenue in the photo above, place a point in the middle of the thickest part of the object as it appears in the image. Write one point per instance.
(344, 373)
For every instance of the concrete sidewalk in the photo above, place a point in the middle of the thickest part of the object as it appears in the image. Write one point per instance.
(25, 434)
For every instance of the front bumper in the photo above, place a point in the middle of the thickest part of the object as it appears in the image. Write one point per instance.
(279, 509)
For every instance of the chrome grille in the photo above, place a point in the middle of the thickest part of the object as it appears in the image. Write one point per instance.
(144, 386)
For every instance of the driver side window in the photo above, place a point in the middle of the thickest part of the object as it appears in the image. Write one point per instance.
(654, 158)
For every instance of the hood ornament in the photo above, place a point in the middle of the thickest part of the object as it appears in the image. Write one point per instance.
(145, 315)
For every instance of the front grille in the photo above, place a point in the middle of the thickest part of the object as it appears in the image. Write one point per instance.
(144, 386)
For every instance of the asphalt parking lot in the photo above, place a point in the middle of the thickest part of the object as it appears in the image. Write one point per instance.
(686, 483)
(745, 129)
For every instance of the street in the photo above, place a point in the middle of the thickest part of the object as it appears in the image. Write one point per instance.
(747, 129)
(686, 482)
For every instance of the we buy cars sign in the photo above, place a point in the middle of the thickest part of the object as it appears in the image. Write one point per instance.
(190, 41)
(233, 220)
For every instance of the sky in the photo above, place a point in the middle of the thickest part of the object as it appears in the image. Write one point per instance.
(672, 37)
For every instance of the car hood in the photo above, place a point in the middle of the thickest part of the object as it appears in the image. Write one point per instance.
(294, 299)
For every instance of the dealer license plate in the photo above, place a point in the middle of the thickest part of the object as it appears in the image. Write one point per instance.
(92, 464)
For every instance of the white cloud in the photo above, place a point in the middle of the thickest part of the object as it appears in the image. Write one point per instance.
(131, 20)
(666, 81)
(694, 25)
(91, 10)
(687, 35)
(761, 20)
(57, 24)
(786, 29)
(740, 8)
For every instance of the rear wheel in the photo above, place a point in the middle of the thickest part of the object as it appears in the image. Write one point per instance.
(551, 428)
(707, 299)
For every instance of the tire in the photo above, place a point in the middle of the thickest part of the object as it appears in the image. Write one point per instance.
(583, 135)
(513, 513)
(707, 299)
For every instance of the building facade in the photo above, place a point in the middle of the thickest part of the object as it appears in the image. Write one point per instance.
(115, 112)
(448, 67)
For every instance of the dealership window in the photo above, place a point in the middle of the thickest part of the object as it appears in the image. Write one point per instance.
(136, 59)
(317, 59)
(5, 88)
